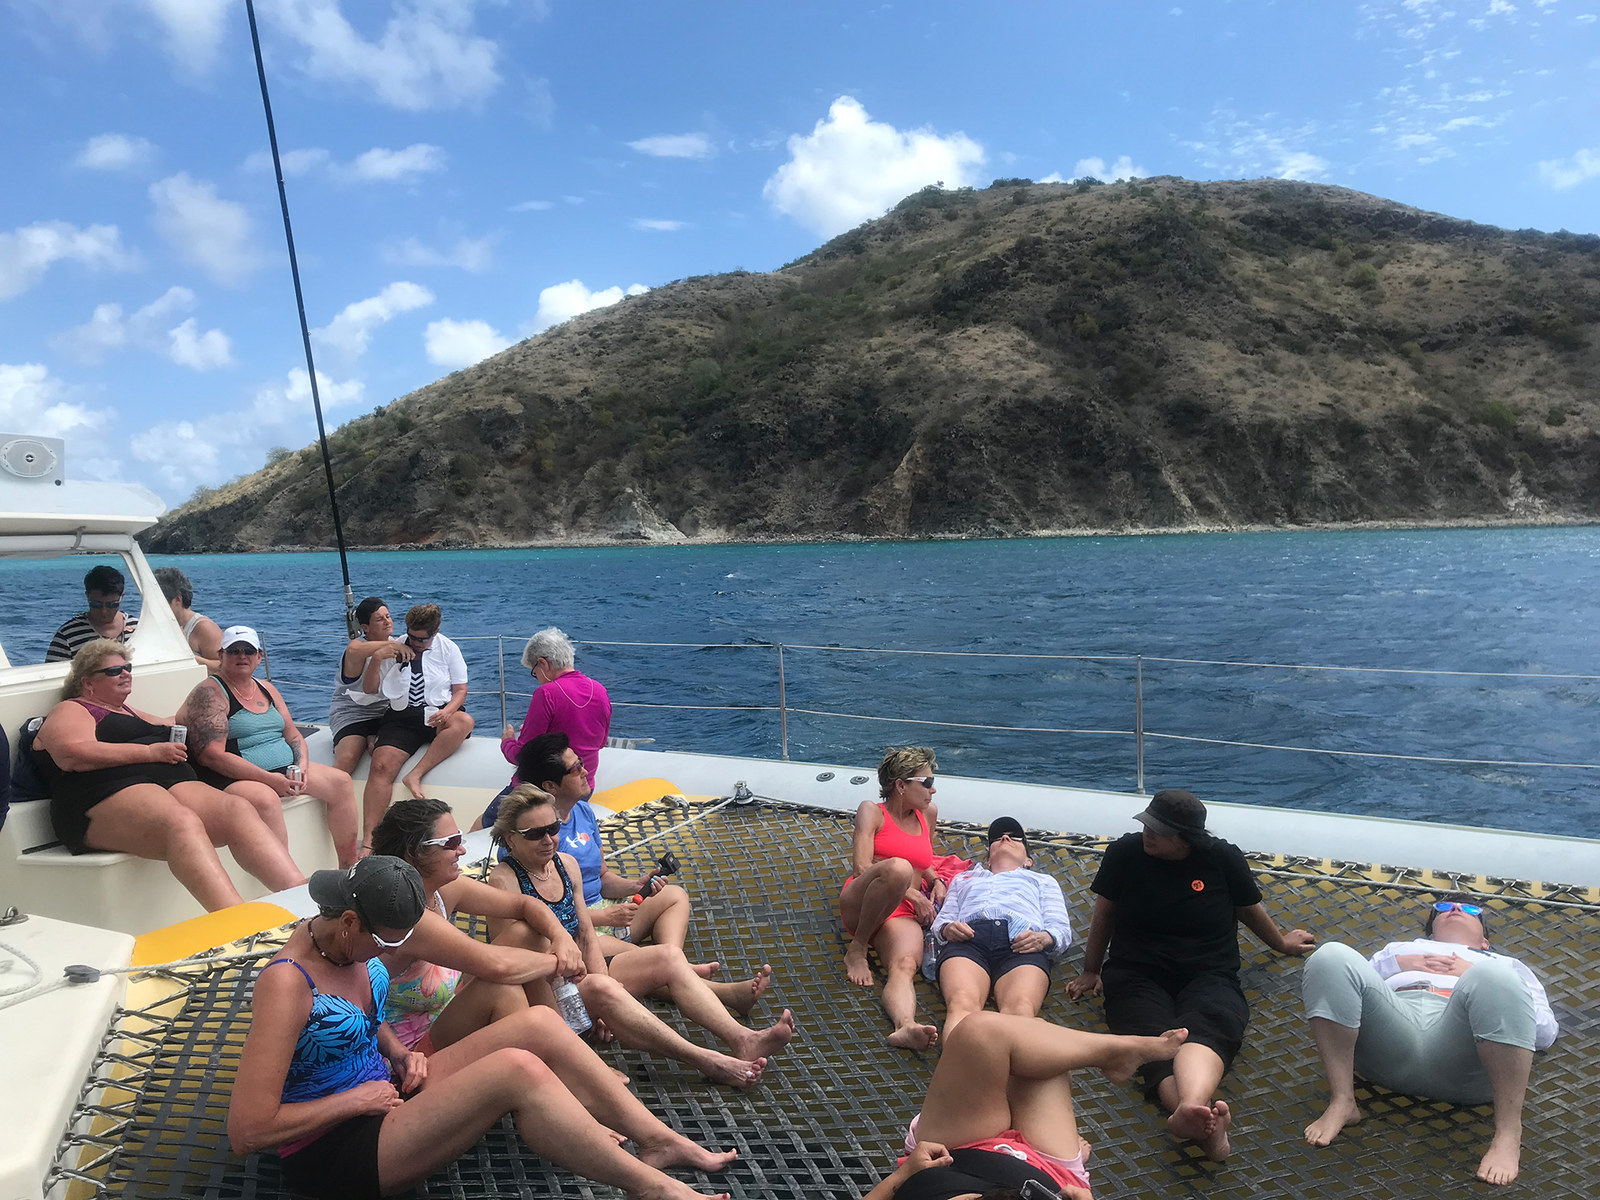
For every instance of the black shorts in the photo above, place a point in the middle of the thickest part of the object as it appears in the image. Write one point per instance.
(1211, 1005)
(342, 1164)
(990, 948)
(364, 728)
(223, 782)
(405, 729)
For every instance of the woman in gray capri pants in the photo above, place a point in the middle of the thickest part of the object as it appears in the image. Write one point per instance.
(1441, 1017)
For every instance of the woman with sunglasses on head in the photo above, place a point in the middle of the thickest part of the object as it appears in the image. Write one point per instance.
(1443, 1017)
(527, 825)
(893, 891)
(119, 782)
(355, 1114)
(244, 742)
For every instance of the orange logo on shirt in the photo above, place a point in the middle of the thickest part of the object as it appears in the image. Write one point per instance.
(1198, 885)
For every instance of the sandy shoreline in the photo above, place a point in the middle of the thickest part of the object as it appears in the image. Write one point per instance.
(717, 539)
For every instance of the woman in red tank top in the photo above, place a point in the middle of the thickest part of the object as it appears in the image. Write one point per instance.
(893, 893)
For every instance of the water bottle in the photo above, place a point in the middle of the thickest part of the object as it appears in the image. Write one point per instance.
(570, 1005)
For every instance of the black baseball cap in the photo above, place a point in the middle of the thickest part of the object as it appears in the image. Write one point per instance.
(1004, 825)
(385, 892)
(1173, 812)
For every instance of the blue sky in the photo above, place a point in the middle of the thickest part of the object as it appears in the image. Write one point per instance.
(464, 174)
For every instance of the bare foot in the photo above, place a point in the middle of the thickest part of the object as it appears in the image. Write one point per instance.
(705, 970)
(856, 966)
(1215, 1145)
(1501, 1160)
(736, 1072)
(1191, 1122)
(413, 784)
(766, 1041)
(914, 1037)
(1134, 1052)
(1326, 1127)
(674, 1150)
(669, 1188)
(743, 995)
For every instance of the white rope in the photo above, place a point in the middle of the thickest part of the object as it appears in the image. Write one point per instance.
(1215, 662)
(813, 712)
(717, 807)
(968, 653)
(38, 987)
(700, 707)
(1470, 762)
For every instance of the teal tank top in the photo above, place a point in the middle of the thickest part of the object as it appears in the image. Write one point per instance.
(257, 737)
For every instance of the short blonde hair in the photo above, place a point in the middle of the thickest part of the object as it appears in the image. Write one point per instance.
(903, 762)
(89, 659)
(516, 802)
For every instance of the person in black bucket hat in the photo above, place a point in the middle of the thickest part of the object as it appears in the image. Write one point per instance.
(1168, 902)
(352, 1113)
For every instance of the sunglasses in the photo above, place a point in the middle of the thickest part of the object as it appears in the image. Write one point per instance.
(925, 780)
(420, 641)
(113, 672)
(1472, 910)
(536, 832)
(104, 605)
(241, 649)
(385, 944)
(453, 842)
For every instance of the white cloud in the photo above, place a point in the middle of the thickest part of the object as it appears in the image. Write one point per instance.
(184, 453)
(28, 252)
(280, 404)
(658, 226)
(850, 169)
(380, 165)
(34, 401)
(114, 152)
(1053, 177)
(188, 347)
(350, 332)
(294, 162)
(562, 301)
(469, 254)
(108, 329)
(194, 29)
(532, 206)
(675, 145)
(461, 343)
(1569, 172)
(211, 233)
(1242, 148)
(1298, 164)
(1123, 168)
(426, 57)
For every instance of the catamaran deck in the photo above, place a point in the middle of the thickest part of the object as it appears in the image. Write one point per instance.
(830, 1114)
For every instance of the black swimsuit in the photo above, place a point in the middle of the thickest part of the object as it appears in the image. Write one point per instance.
(566, 908)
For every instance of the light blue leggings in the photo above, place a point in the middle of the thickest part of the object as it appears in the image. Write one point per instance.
(1418, 1042)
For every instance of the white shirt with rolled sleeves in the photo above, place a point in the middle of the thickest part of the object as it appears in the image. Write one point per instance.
(1383, 962)
(443, 667)
(1022, 898)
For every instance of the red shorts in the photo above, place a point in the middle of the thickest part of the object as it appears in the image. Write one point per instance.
(903, 909)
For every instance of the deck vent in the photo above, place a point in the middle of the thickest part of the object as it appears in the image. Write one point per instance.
(824, 776)
(858, 780)
(31, 457)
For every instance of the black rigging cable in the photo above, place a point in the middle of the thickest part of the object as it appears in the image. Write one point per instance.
(305, 331)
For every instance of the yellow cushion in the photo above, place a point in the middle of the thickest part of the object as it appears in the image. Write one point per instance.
(204, 933)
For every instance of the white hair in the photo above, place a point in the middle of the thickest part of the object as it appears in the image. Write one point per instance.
(551, 645)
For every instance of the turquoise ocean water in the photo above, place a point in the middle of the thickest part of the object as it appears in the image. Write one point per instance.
(1510, 601)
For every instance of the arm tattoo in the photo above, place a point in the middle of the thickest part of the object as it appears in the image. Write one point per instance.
(208, 718)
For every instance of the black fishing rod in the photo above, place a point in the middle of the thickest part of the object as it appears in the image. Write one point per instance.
(305, 332)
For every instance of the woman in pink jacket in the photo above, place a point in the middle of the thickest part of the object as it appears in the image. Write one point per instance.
(566, 701)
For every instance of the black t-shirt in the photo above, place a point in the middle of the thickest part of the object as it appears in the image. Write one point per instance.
(1175, 916)
(971, 1171)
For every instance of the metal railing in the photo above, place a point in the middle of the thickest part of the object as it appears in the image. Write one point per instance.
(1139, 732)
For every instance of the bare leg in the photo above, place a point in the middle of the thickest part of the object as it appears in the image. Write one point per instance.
(899, 945)
(237, 827)
(338, 794)
(1020, 992)
(663, 918)
(541, 1031)
(1189, 1095)
(348, 751)
(965, 985)
(741, 995)
(664, 971)
(1508, 1068)
(148, 821)
(376, 796)
(637, 1028)
(445, 743)
(267, 803)
(443, 1122)
(973, 1085)
(865, 904)
(1336, 1045)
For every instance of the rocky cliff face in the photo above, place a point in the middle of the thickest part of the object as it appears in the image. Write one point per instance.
(1158, 354)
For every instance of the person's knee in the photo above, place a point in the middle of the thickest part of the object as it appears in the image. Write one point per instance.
(673, 896)
(520, 1067)
(185, 829)
(542, 1023)
(600, 991)
(1492, 985)
(899, 872)
(976, 1031)
(907, 963)
(1017, 1006)
(1327, 963)
(463, 723)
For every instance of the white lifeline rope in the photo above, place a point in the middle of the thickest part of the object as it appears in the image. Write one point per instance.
(78, 973)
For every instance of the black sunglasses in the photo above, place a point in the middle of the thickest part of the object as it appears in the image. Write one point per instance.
(102, 605)
(113, 672)
(535, 832)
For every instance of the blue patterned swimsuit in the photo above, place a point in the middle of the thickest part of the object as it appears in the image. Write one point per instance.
(566, 908)
(338, 1048)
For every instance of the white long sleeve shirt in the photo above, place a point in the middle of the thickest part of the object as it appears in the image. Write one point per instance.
(1022, 898)
(1385, 964)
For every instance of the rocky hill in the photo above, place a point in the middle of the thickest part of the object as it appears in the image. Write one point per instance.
(1156, 354)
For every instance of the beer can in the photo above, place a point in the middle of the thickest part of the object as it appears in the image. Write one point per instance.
(180, 734)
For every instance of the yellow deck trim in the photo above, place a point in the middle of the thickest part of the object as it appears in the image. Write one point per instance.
(202, 933)
(632, 795)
